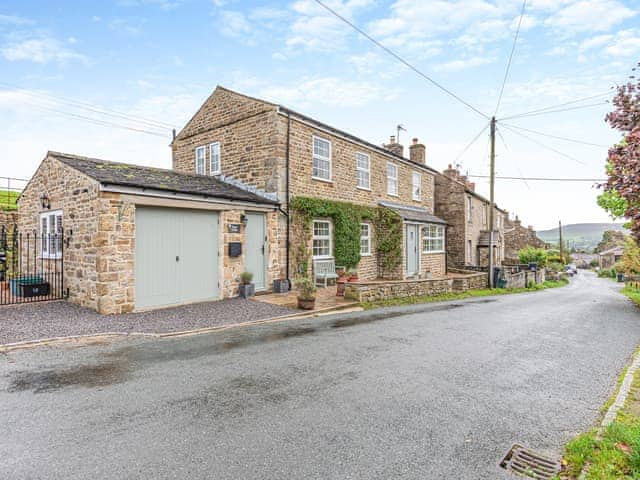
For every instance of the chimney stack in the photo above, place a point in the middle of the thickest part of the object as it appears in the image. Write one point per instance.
(451, 172)
(418, 152)
(394, 147)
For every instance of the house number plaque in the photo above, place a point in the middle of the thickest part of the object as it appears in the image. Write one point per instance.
(233, 227)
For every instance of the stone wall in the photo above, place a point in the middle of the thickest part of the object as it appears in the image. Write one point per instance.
(523, 278)
(517, 237)
(8, 219)
(77, 196)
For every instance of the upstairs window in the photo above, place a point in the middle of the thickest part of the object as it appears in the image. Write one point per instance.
(392, 179)
(51, 234)
(469, 209)
(321, 239)
(484, 214)
(365, 239)
(201, 153)
(433, 239)
(416, 186)
(321, 159)
(214, 158)
(363, 171)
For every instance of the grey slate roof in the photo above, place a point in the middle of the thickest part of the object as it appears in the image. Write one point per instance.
(137, 176)
(415, 214)
(619, 250)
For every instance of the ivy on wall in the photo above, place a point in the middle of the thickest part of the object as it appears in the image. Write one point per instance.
(346, 218)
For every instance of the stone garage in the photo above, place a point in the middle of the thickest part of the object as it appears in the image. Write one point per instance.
(138, 238)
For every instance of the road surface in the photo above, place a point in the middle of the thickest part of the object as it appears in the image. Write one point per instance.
(436, 391)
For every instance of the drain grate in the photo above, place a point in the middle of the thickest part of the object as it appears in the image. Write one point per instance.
(525, 462)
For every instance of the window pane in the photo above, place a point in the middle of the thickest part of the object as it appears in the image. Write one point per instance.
(214, 153)
(321, 147)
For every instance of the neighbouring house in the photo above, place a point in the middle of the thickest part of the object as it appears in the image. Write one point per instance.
(610, 257)
(517, 237)
(333, 187)
(467, 215)
(137, 237)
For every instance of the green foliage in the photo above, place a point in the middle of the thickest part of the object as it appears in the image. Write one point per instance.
(629, 264)
(246, 277)
(594, 263)
(533, 255)
(613, 204)
(555, 266)
(346, 218)
(8, 199)
(306, 288)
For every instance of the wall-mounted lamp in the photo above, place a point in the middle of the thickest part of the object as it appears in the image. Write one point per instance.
(244, 219)
(45, 202)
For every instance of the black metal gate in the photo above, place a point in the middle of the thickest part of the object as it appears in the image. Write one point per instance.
(31, 266)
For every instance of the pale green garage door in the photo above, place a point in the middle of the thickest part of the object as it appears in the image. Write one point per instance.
(176, 256)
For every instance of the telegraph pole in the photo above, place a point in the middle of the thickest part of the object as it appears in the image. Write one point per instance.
(561, 244)
(492, 179)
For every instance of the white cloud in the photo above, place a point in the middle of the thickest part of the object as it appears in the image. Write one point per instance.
(589, 16)
(625, 44)
(127, 26)
(234, 24)
(42, 50)
(163, 4)
(14, 20)
(463, 64)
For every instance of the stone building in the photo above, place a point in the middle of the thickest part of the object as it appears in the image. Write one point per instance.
(137, 237)
(256, 143)
(517, 237)
(610, 257)
(467, 216)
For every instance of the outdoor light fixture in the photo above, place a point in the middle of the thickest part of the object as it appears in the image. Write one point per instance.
(45, 202)
(244, 219)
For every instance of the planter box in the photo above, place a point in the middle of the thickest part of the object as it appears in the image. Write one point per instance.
(29, 286)
(247, 290)
(306, 304)
(281, 286)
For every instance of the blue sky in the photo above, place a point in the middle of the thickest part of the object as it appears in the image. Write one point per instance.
(159, 59)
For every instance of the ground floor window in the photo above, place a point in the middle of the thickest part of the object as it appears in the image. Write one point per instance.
(51, 234)
(433, 238)
(365, 239)
(322, 239)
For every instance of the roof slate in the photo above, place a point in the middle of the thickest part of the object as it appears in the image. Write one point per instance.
(137, 176)
(416, 214)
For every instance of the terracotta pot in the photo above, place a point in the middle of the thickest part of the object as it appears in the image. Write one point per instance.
(353, 278)
(340, 286)
(306, 304)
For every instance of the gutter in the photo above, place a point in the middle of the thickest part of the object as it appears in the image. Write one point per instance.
(288, 198)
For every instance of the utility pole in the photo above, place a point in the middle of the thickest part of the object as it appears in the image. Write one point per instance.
(561, 244)
(492, 179)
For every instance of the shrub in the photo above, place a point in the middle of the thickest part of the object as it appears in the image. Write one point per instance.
(533, 255)
(555, 266)
(306, 288)
(246, 277)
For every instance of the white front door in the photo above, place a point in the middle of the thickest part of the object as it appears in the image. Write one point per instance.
(256, 246)
(176, 256)
(413, 258)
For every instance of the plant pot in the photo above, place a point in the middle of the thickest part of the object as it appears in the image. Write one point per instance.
(306, 304)
(247, 290)
(340, 286)
(281, 286)
(353, 278)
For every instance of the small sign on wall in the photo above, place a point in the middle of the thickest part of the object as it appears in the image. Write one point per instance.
(233, 228)
(235, 249)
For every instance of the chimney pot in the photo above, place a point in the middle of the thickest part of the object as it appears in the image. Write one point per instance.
(415, 140)
(418, 152)
(392, 139)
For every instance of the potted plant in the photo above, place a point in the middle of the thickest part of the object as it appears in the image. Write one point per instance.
(246, 288)
(306, 293)
(353, 275)
(341, 281)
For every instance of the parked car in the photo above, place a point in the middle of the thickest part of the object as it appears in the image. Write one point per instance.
(571, 269)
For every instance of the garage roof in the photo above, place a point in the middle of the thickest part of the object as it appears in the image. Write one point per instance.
(137, 176)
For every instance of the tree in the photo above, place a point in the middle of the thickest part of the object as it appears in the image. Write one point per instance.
(629, 264)
(623, 162)
(533, 255)
(610, 239)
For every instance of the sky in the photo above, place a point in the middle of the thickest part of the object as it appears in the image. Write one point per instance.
(110, 79)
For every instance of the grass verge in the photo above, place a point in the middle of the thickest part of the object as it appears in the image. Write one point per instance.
(8, 200)
(616, 453)
(632, 293)
(394, 302)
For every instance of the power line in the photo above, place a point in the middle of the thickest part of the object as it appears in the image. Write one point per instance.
(400, 59)
(543, 145)
(471, 143)
(93, 108)
(513, 48)
(97, 121)
(556, 136)
(543, 179)
(592, 97)
(515, 160)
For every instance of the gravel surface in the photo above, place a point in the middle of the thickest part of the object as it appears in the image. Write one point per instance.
(57, 319)
(426, 392)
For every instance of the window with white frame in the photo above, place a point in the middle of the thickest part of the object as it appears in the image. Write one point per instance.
(51, 234)
(322, 239)
(392, 179)
(214, 158)
(321, 159)
(433, 238)
(365, 239)
(201, 153)
(416, 186)
(363, 170)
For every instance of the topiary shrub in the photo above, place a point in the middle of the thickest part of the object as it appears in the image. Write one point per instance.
(533, 255)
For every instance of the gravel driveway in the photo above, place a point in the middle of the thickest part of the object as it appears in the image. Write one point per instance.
(57, 319)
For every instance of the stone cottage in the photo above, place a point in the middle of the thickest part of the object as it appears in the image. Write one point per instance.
(467, 214)
(256, 143)
(137, 237)
(517, 237)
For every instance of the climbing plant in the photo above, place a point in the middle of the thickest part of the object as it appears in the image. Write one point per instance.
(346, 218)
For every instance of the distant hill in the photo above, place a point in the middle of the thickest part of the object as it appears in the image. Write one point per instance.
(580, 235)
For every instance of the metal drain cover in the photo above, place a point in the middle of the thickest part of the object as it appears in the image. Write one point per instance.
(526, 462)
